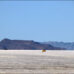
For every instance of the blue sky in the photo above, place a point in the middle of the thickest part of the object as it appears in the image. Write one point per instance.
(37, 20)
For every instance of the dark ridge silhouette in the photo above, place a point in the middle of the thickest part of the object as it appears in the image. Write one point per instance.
(8, 44)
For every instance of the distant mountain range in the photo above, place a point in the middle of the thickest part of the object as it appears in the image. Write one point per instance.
(67, 45)
(8, 44)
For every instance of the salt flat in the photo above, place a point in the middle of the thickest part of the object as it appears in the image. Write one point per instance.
(36, 62)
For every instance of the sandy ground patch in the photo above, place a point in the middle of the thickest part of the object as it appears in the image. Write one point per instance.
(36, 62)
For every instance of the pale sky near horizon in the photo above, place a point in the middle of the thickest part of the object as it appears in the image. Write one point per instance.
(37, 20)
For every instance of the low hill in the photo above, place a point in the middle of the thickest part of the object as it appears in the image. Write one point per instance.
(66, 45)
(25, 44)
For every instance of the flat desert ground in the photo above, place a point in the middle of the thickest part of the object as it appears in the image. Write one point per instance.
(36, 62)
